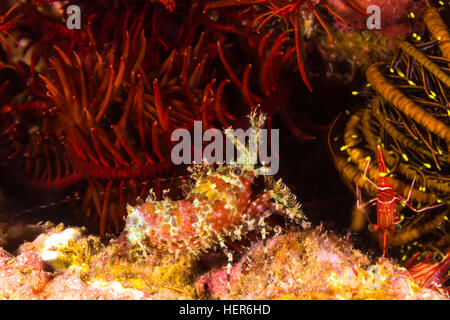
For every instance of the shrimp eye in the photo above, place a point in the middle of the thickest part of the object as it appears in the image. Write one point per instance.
(437, 257)
(139, 202)
(237, 171)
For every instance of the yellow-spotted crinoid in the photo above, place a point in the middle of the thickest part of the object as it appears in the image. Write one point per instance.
(409, 117)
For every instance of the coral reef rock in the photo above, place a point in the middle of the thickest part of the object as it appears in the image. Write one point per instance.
(311, 264)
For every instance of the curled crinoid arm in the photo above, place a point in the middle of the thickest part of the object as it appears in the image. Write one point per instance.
(430, 268)
(438, 29)
(262, 85)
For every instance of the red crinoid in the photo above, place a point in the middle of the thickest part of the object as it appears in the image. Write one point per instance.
(117, 125)
(258, 65)
(263, 82)
(289, 12)
(29, 136)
